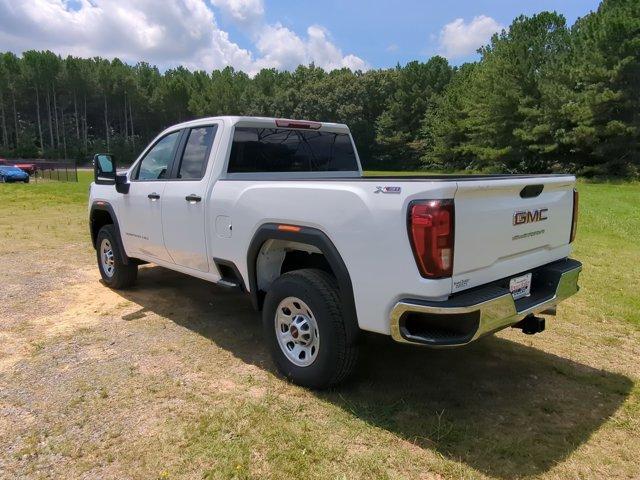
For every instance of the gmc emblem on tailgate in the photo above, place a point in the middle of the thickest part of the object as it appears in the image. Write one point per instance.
(530, 216)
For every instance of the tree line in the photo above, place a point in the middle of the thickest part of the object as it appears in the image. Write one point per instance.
(543, 97)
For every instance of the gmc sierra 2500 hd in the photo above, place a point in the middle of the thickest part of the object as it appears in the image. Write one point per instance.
(280, 209)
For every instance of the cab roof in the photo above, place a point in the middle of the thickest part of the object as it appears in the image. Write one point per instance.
(267, 122)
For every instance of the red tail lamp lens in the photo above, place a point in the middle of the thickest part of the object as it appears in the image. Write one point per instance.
(431, 233)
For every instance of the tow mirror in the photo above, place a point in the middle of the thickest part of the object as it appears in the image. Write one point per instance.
(104, 173)
(104, 169)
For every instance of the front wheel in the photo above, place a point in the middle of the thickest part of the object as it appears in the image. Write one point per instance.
(114, 272)
(304, 326)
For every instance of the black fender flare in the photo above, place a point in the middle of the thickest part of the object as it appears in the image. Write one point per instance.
(106, 207)
(309, 236)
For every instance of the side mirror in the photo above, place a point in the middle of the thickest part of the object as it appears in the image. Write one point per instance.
(104, 173)
(104, 169)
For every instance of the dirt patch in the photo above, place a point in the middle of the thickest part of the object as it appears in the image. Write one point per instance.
(88, 374)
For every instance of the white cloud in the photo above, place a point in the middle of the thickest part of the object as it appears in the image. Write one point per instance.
(244, 12)
(391, 48)
(179, 32)
(326, 54)
(280, 47)
(459, 39)
(354, 63)
(283, 49)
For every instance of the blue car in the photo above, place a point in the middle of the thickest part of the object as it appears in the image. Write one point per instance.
(13, 174)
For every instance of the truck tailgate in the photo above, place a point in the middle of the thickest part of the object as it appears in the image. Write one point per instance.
(498, 233)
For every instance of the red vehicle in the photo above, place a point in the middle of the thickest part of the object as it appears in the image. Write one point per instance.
(30, 168)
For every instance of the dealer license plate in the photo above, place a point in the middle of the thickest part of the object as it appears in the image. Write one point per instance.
(520, 286)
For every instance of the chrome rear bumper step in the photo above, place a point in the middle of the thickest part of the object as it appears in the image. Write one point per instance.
(467, 316)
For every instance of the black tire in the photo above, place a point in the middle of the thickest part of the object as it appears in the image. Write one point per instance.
(26, 181)
(123, 275)
(336, 356)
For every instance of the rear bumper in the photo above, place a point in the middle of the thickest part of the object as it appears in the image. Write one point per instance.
(469, 315)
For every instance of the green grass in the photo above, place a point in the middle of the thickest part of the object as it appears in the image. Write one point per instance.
(37, 214)
(607, 244)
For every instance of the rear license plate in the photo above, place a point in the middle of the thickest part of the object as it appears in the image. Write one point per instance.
(520, 286)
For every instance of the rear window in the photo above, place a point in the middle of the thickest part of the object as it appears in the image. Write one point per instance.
(285, 150)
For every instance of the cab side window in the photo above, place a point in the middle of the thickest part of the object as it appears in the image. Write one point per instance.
(156, 163)
(196, 152)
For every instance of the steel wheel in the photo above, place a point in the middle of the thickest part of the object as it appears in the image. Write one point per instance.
(297, 331)
(107, 257)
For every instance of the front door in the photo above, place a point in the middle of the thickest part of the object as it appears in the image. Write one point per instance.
(184, 200)
(140, 212)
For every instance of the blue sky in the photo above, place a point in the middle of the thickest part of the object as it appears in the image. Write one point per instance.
(254, 34)
(391, 31)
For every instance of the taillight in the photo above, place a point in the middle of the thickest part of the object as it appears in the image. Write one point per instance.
(431, 234)
(574, 217)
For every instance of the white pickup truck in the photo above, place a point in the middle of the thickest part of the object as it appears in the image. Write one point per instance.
(280, 209)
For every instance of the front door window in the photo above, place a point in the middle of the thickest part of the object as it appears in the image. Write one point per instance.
(155, 164)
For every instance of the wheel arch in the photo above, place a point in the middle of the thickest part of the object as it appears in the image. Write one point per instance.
(101, 214)
(319, 241)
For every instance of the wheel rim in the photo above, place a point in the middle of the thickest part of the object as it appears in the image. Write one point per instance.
(107, 258)
(297, 331)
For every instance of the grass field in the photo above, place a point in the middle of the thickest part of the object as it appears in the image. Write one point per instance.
(170, 379)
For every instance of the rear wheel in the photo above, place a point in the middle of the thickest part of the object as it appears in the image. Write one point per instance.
(114, 272)
(305, 329)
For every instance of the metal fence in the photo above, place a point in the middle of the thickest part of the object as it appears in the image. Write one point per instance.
(44, 169)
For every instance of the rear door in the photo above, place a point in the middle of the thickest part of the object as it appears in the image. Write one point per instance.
(184, 206)
(507, 226)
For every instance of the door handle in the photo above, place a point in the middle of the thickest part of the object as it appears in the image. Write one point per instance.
(193, 198)
(153, 196)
